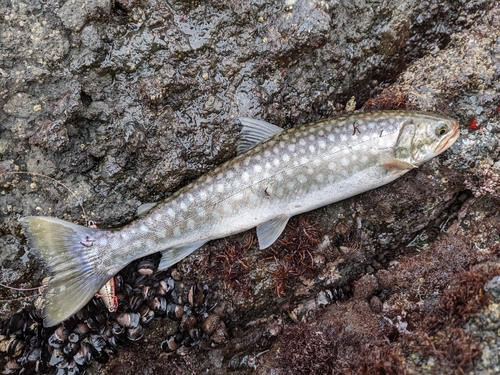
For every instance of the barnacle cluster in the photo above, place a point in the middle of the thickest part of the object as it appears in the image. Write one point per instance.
(95, 333)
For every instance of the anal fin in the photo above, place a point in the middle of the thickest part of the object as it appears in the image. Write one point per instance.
(173, 255)
(268, 232)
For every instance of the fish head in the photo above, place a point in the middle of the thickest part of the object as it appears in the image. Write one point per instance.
(424, 136)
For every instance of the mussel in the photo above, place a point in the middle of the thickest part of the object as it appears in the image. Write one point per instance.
(128, 320)
(147, 267)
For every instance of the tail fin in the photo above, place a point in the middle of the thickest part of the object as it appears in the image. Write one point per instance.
(68, 250)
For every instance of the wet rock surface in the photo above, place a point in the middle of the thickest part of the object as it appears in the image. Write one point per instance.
(124, 102)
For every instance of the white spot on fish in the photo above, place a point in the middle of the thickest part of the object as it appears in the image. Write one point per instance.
(312, 149)
(279, 177)
(331, 137)
(365, 138)
(190, 224)
(354, 157)
(290, 185)
(321, 133)
(286, 158)
(291, 148)
(320, 177)
(144, 228)
(312, 137)
(289, 172)
(150, 243)
(321, 144)
(343, 138)
(267, 153)
(245, 176)
(228, 209)
(177, 231)
(332, 166)
(276, 162)
(310, 170)
(364, 159)
(183, 206)
(302, 142)
(220, 188)
(257, 168)
(301, 178)
(171, 213)
(344, 162)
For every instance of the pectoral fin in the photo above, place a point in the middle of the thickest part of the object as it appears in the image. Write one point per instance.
(171, 256)
(268, 232)
(396, 165)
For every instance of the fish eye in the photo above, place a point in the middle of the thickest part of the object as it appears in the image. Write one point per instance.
(441, 130)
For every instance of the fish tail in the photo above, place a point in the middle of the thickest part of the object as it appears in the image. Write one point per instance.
(71, 253)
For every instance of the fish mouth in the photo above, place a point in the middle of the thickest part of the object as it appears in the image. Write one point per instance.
(449, 140)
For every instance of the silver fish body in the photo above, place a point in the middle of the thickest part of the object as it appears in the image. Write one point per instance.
(277, 174)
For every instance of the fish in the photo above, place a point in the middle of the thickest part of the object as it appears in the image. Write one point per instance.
(275, 175)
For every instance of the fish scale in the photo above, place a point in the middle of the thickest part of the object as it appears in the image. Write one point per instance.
(276, 174)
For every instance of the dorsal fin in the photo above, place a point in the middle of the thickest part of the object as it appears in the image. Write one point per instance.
(254, 132)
